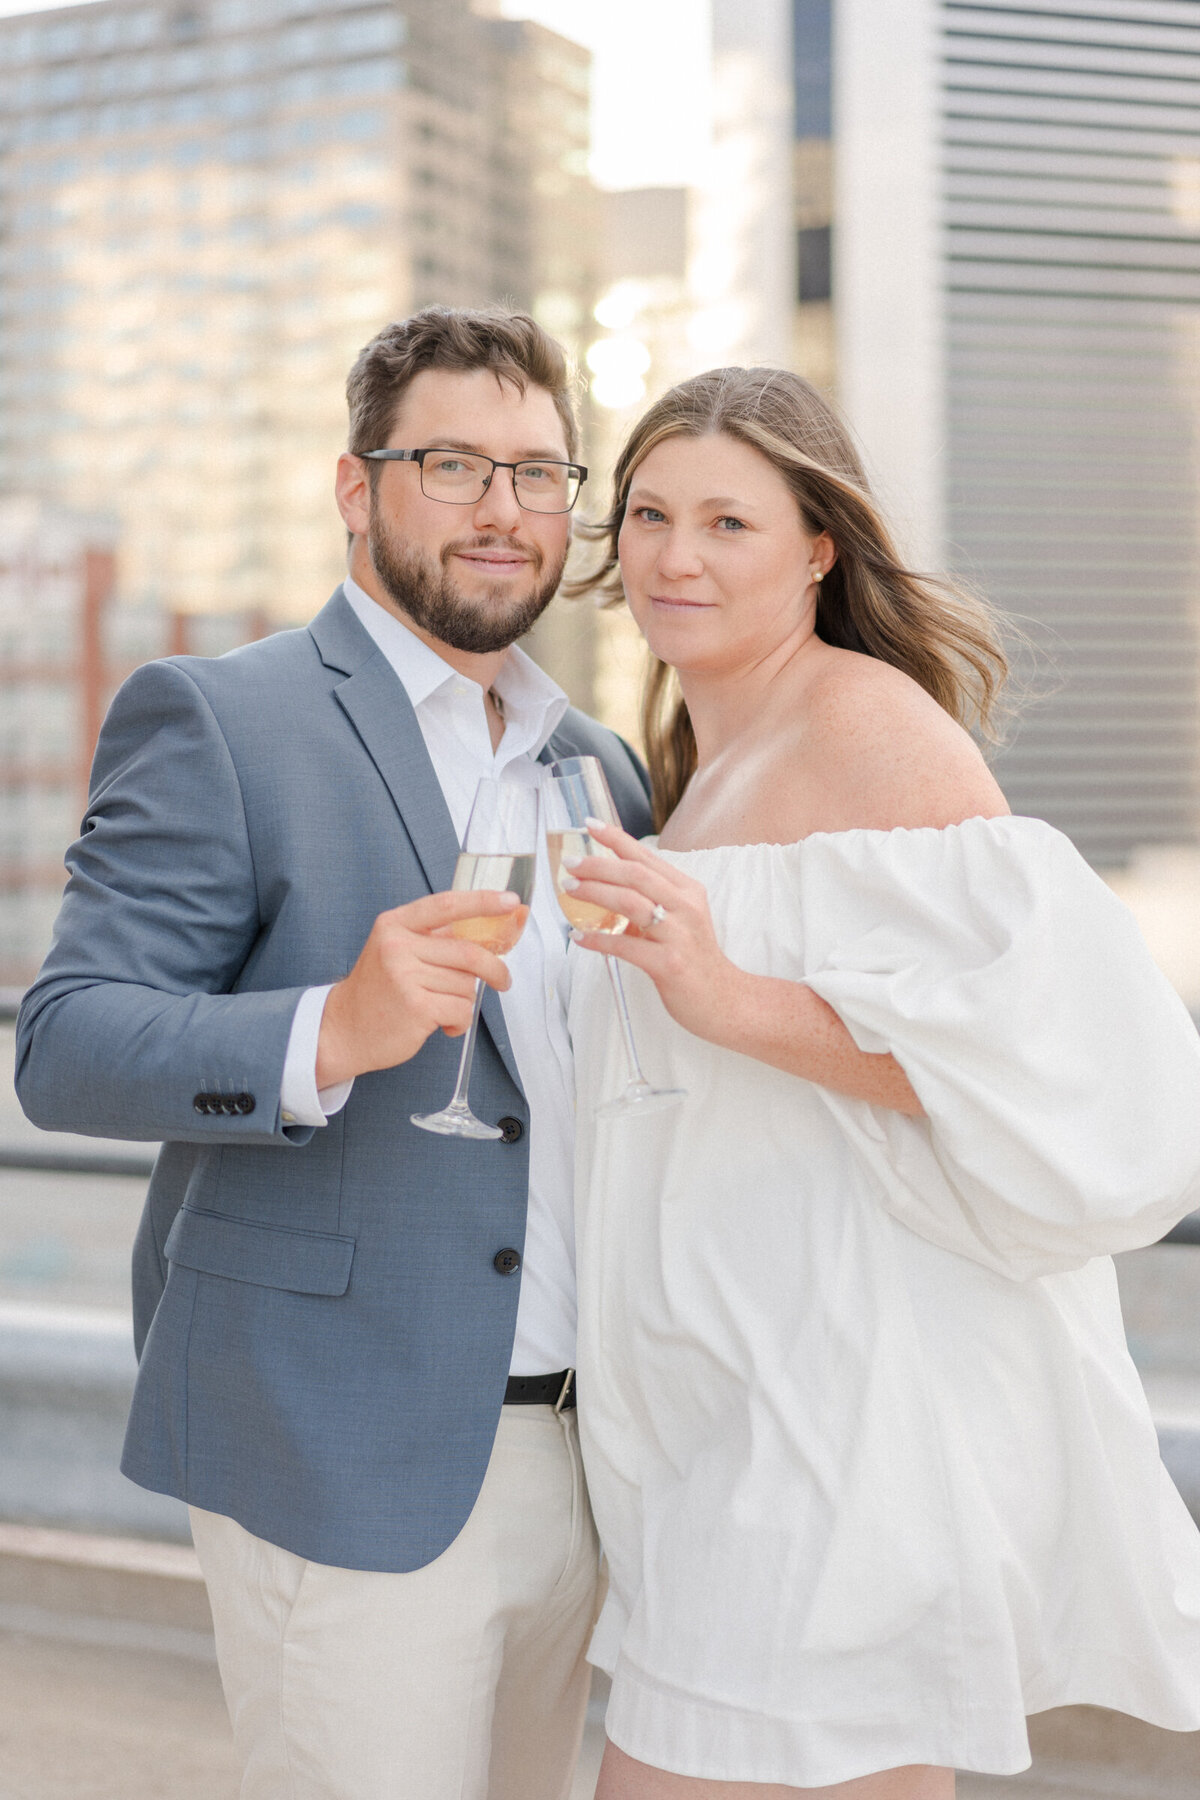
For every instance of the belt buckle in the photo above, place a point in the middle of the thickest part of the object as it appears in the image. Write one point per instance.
(568, 1381)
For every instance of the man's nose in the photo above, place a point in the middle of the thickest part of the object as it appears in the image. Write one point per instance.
(498, 509)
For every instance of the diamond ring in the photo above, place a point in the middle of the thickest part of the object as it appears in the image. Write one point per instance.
(657, 916)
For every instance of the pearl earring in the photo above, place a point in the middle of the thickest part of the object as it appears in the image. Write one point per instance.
(818, 576)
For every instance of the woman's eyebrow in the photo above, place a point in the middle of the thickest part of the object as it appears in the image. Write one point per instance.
(728, 501)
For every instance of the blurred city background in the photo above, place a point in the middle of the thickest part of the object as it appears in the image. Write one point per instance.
(977, 226)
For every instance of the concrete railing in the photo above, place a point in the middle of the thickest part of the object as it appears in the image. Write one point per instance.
(66, 1378)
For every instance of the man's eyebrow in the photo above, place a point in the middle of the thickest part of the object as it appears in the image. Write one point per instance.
(453, 443)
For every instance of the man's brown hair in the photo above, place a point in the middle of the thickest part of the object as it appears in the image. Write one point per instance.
(512, 345)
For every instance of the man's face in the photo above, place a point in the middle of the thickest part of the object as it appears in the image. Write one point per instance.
(476, 576)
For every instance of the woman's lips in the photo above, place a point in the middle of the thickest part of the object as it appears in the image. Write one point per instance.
(669, 603)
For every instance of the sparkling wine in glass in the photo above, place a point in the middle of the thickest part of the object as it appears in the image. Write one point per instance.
(576, 791)
(499, 853)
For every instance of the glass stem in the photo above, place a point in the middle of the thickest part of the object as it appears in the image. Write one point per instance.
(636, 1078)
(459, 1101)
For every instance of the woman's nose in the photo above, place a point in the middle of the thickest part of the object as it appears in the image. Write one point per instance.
(678, 556)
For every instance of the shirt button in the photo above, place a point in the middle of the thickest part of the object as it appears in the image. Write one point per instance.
(511, 1130)
(506, 1262)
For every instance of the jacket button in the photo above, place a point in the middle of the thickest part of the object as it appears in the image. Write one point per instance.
(243, 1103)
(510, 1130)
(200, 1103)
(506, 1262)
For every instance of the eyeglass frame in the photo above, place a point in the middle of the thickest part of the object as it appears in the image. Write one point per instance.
(418, 457)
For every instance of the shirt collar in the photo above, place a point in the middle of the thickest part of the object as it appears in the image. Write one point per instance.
(533, 703)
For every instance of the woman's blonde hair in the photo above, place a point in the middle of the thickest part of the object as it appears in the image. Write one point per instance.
(945, 638)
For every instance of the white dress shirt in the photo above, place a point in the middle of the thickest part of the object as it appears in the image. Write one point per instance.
(451, 712)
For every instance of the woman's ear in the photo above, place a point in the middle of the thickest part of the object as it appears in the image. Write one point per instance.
(824, 554)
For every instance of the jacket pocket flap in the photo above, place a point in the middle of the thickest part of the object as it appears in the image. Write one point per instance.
(303, 1262)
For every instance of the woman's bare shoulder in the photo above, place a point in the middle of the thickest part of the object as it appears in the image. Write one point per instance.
(885, 753)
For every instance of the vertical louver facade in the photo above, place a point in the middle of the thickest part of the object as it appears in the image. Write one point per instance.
(1070, 263)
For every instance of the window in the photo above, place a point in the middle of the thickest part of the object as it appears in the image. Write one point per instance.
(66, 38)
(370, 31)
(300, 43)
(242, 56)
(63, 84)
(186, 67)
(814, 254)
(812, 28)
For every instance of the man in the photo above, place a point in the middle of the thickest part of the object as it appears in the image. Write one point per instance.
(356, 1337)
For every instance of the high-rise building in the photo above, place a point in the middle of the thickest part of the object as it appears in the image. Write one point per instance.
(56, 581)
(813, 349)
(1017, 302)
(206, 208)
(741, 266)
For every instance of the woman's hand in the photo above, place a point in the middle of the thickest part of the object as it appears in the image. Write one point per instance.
(670, 935)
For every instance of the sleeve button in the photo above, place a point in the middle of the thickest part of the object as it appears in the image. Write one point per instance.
(243, 1103)
(200, 1103)
(506, 1262)
(510, 1130)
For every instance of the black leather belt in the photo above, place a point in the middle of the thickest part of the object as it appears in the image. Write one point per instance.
(557, 1391)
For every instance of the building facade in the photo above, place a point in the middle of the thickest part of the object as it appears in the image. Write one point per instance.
(56, 586)
(207, 208)
(1017, 296)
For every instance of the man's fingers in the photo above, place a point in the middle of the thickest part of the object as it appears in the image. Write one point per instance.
(448, 981)
(452, 1015)
(442, 909)
(460, 953)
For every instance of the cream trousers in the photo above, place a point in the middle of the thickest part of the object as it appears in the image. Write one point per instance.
(464, 1680)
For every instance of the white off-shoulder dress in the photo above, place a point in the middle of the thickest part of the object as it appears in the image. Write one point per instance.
(871, 1464)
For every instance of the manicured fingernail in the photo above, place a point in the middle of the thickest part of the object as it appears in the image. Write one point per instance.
(567, 883)
(570, 862)
(594, 824)
(577, 936)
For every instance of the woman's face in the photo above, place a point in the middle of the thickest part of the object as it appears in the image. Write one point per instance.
(715, 559)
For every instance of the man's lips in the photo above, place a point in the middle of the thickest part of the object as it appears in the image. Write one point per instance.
(493, 561)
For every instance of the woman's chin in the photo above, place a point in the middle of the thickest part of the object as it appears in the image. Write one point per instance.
(681, 637)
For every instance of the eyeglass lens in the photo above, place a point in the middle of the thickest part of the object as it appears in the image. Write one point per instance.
(458, 476)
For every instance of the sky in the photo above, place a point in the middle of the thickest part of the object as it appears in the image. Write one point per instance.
(650, 80)
(649, 93)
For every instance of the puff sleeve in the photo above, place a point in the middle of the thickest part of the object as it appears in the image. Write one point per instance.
(1058, 1070)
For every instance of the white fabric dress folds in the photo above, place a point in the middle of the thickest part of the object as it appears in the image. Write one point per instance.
(871, 1464)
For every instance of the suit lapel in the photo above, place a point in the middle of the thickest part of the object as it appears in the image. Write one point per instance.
(374, 700)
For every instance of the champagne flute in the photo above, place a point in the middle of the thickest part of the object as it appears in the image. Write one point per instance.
(575, 792)
(499, 852)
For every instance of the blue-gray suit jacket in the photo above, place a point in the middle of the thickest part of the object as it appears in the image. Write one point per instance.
(323, 1333)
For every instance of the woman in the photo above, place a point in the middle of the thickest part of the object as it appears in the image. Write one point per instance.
(873, 1469)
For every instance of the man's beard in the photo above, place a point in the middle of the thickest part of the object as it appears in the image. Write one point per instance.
(428, 596)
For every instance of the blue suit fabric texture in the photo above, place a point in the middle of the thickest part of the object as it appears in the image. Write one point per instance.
(323, 1333)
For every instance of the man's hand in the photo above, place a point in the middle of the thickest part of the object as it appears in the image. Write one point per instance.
(411, 978)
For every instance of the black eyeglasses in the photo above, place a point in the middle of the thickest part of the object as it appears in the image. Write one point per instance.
(462, 478)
